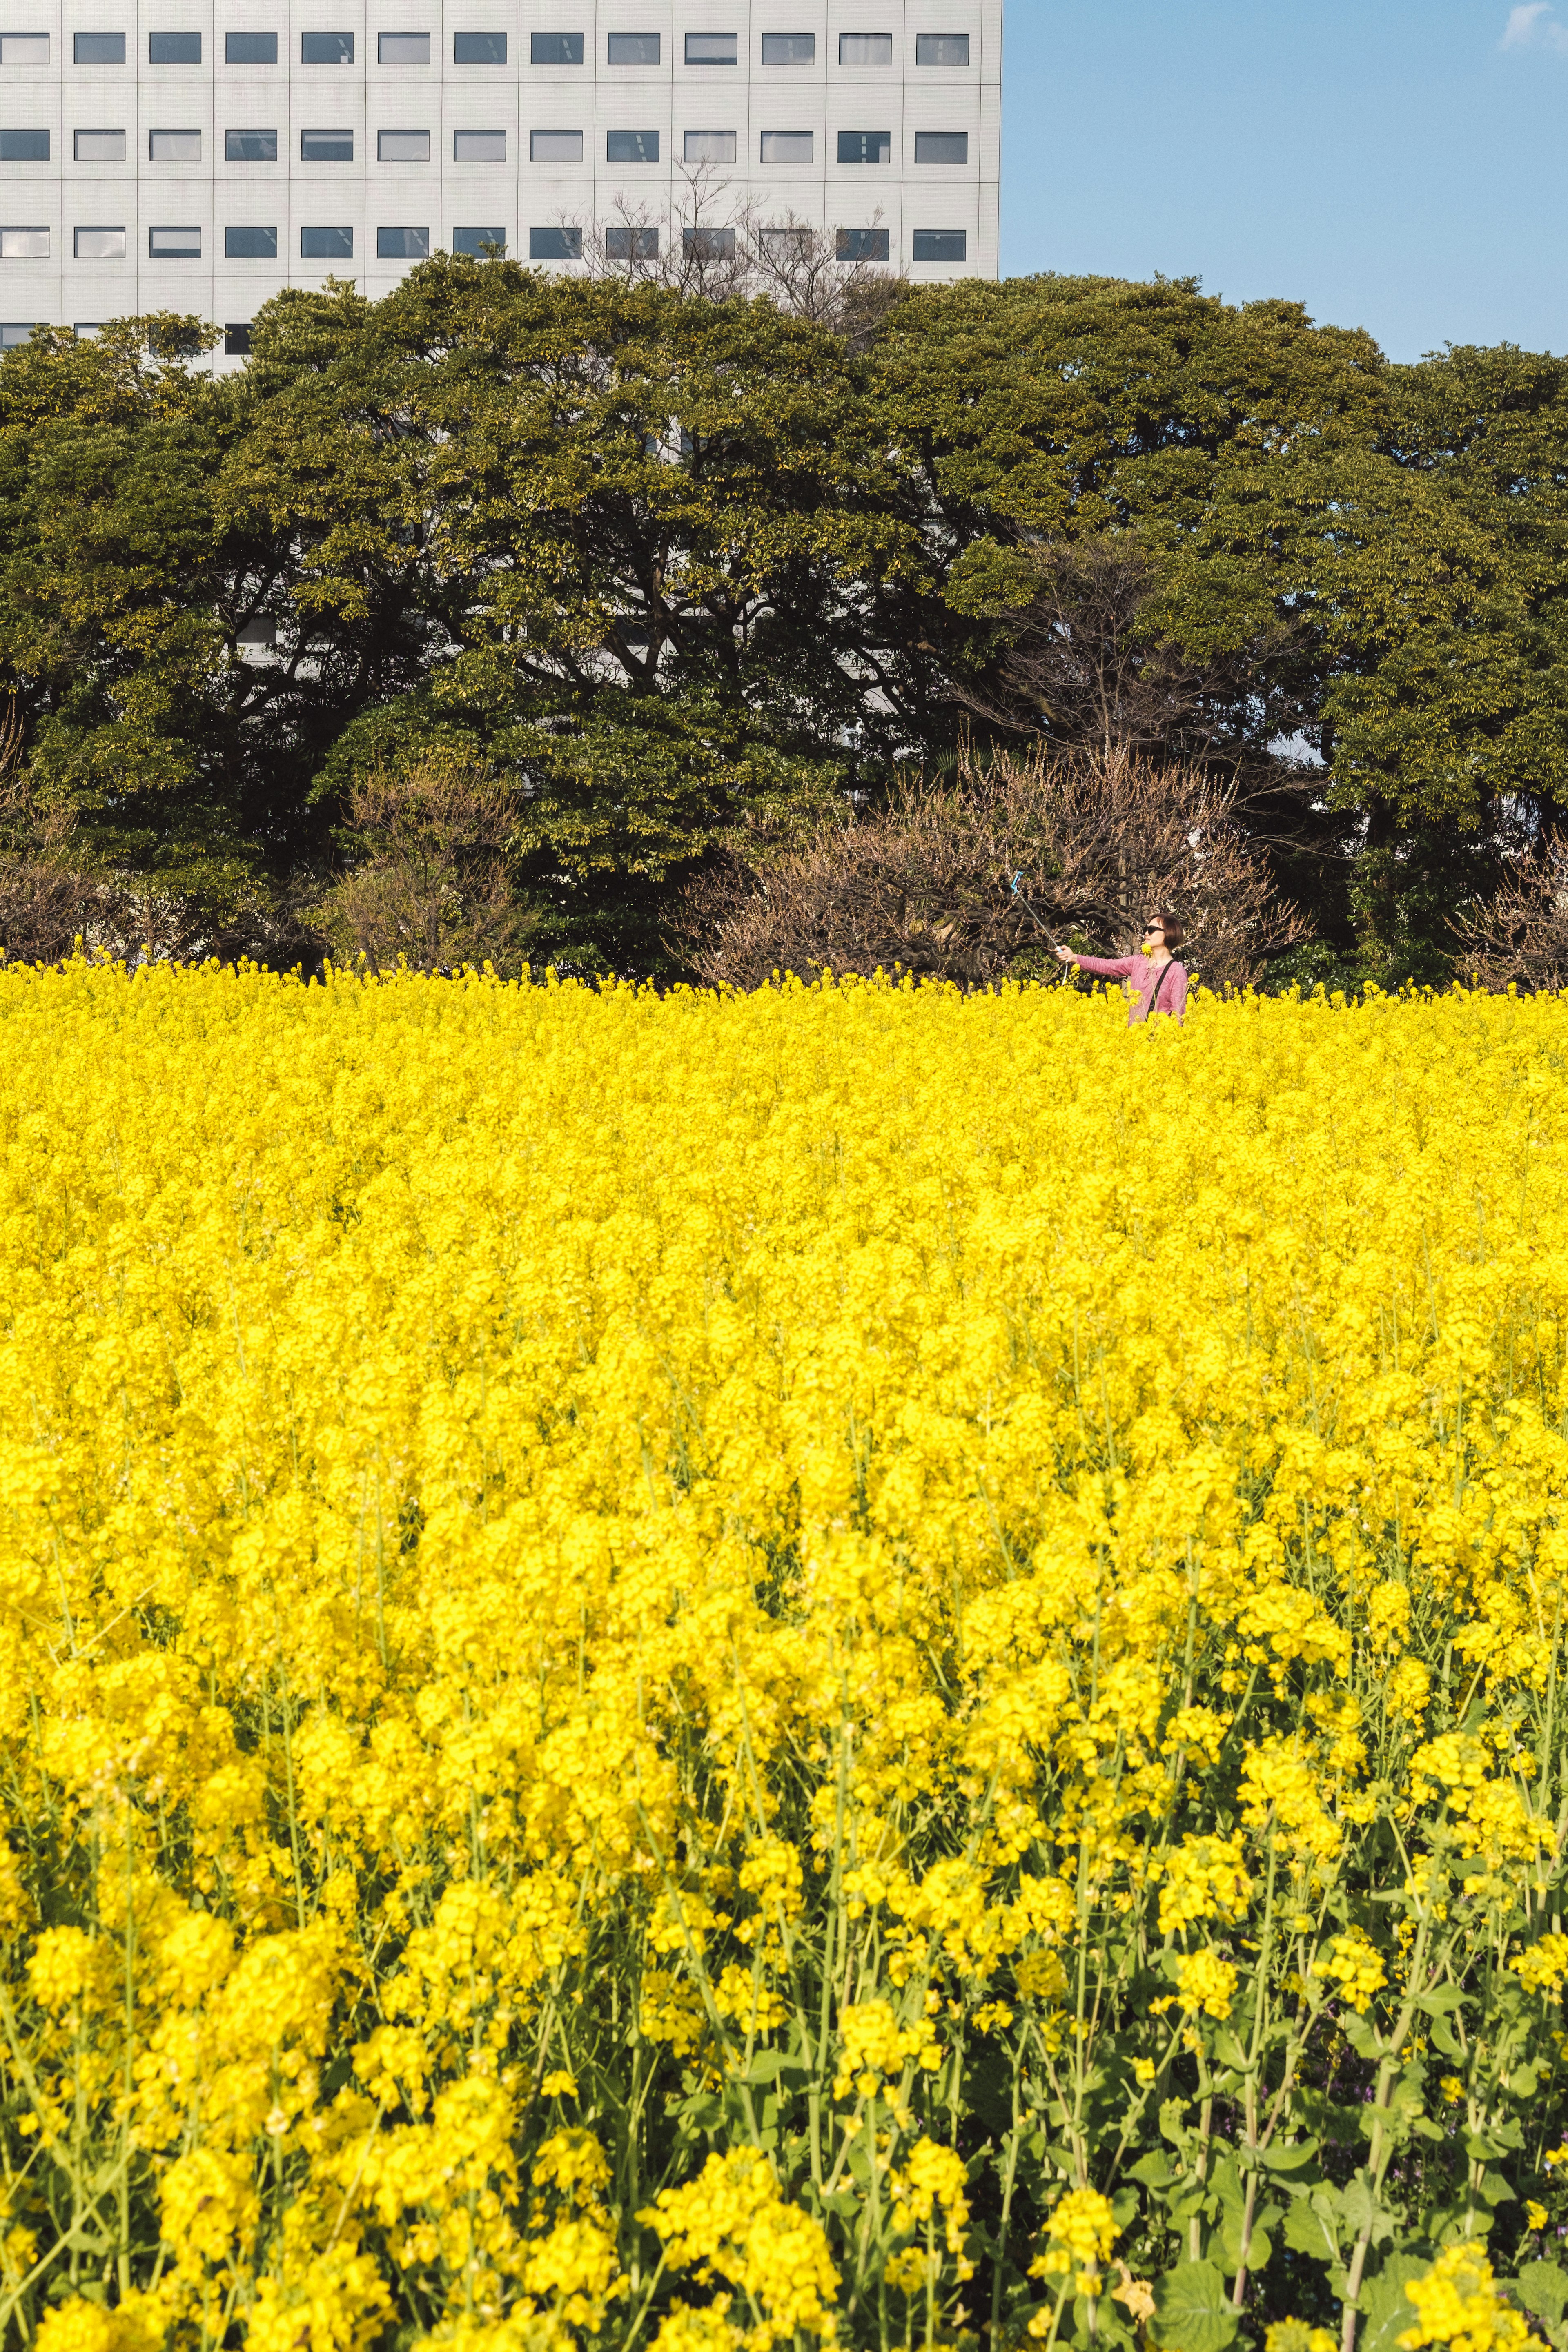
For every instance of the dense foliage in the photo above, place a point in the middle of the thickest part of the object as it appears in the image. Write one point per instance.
(680, 567)
(734, 1672)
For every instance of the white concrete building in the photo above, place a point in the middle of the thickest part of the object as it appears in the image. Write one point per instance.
(198, 155)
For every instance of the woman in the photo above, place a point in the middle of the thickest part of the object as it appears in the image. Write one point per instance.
(1159, 982)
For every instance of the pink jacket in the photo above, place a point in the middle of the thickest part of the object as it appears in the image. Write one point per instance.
(1168, 980)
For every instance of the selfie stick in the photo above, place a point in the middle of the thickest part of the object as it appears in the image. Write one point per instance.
(1038, 918)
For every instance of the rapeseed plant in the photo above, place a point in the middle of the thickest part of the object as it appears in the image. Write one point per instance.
(852, 1665)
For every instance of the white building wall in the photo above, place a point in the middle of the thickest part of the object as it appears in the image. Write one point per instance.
(74, 280)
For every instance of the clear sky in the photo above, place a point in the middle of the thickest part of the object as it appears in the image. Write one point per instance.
(1396, 166)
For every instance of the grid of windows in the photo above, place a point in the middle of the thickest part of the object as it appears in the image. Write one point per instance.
(709, 55)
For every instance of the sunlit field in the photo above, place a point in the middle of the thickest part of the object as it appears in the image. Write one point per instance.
(852, 1664)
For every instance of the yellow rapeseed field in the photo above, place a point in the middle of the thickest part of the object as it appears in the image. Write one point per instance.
(850, 1665)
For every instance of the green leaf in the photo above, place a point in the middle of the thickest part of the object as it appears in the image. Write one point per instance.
(1362, 2216)
(1192, 2310)
(1155, 2170)
(1442, 2001)
(1543, 2288)
(1361, 2035)
(1308, 2231)
(1386, 2310)
(1288, 2156)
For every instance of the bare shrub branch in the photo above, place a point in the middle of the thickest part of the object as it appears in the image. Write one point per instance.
(430, 885)
(1519, 938)
(716, 246)
(1096, 843)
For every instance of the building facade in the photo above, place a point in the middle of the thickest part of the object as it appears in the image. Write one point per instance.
(196, 155)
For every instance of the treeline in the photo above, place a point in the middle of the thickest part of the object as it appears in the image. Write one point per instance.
(592, 601)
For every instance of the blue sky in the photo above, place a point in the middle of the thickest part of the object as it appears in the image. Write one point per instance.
(1396, 167)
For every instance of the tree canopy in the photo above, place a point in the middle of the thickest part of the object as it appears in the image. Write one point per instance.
(677, 567)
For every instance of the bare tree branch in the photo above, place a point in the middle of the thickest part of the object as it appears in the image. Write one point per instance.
(1096, 843)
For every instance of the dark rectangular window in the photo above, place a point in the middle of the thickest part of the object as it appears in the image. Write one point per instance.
(624, 242)
(237, 339)
(556, 245)
(326, 49)
(941, 245)
(941, 146)
(479, 241)
(98, 49)
(633, 49)
(326, 244)
(24, 146)
(941, 48)
(861, 244)
(479, 49)
(14, 333)
(326, 146)
(250, 245)
(631, 147)
(250, 48)
(865, 146)
(251, 146)
(709, 244)
(173, 49)
(789, 49)
(555, 48)
(402, 243)
(712, 48)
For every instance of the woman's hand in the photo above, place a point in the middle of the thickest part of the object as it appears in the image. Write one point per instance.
(1064, 955)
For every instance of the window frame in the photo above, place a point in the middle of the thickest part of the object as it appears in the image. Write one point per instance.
(174, 252)
(248, 229)
(230, 59)
(78, 59)
(941, 163)
(943, 65)
(406, 132)
(732, 60)
(407, 253)
(186, 60)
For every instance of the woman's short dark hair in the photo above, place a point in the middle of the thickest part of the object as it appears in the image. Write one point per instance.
(1173, 930)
